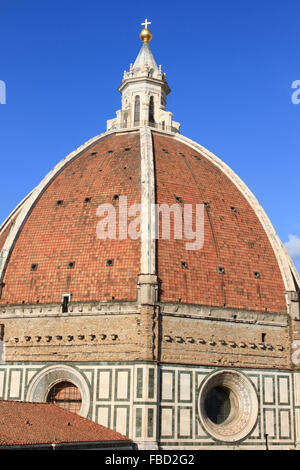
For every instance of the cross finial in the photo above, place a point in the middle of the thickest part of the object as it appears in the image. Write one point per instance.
(146, 23)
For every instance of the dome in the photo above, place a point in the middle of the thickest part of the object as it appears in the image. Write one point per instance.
(142, 279)
(53, 247)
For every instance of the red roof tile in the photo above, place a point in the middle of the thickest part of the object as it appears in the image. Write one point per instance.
(24, 423)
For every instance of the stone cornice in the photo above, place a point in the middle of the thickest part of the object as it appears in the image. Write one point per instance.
(75, 309)
(203, 312)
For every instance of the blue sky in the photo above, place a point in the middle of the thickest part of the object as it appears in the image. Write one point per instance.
(230, 65)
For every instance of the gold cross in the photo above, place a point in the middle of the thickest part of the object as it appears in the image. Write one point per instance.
(146, 23)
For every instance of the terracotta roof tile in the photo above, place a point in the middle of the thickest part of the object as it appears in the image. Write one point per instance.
(24, 423)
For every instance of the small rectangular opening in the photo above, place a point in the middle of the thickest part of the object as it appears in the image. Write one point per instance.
(65, 302)
(178, 198)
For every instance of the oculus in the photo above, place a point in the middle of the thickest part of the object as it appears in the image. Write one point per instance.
(227, 406)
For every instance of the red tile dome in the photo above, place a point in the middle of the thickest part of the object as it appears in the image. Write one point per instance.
(55, 248)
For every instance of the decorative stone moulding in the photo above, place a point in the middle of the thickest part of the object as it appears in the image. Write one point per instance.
(168, 339)
(178, 339)
(190, 340)
(242, 409)
(69, 338)
(41, 384)
(222, 342)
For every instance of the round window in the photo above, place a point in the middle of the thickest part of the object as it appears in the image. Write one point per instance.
(228, 406)
(66, 395)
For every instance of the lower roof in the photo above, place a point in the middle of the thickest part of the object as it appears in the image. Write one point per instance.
(24, 423)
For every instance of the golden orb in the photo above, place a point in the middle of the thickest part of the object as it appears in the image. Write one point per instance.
(146, 35)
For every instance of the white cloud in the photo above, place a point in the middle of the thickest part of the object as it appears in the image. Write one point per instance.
(293, 247)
